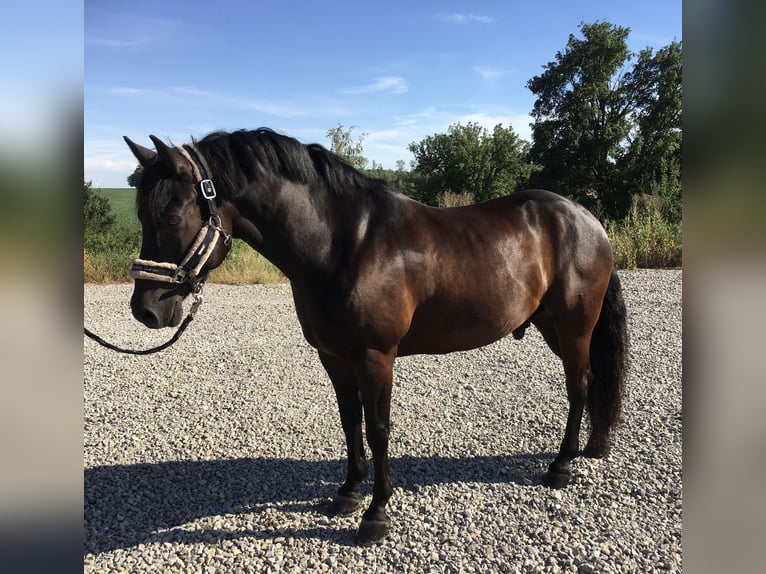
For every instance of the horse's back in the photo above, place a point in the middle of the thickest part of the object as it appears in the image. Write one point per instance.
(489, 266)
(529, 237)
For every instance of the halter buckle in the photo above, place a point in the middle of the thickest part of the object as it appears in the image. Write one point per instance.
(207, 189)
(180, 275)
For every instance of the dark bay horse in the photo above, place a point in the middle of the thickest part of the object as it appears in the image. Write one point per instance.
(376, 275)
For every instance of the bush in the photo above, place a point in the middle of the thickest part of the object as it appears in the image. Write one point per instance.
(107, 256)
(645, 239)
(97, 213)
(452, 199)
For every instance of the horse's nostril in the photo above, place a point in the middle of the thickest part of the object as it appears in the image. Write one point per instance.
(149, 318)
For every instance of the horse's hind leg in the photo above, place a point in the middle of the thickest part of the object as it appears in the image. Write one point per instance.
(575, 356)
(343, 379)
(565, 339)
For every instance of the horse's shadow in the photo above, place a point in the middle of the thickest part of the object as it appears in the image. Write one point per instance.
(126, 505)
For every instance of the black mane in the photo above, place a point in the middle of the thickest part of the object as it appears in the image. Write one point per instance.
(236, 158)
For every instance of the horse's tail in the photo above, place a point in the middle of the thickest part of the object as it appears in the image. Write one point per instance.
(609, 367)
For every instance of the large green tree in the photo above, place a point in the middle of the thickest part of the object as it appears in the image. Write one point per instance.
(606, 130)
(470, 159)
(652, 161)
(582, 117)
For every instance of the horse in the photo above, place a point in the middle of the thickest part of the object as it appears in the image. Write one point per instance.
(376, 275)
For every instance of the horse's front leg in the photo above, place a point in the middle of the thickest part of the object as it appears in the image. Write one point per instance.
(374, 372)
(343, 380)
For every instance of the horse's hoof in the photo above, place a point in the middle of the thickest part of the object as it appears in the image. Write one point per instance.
(372, 531)
(595, 451)
(554, 479)
(343, 505)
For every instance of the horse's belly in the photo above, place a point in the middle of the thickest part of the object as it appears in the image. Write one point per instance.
(458, 330)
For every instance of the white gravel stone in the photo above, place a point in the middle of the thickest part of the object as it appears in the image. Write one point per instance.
(221, 453)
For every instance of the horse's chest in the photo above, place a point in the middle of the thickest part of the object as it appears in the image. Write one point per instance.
(325, 327)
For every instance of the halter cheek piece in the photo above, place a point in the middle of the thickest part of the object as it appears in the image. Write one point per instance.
(188, 271)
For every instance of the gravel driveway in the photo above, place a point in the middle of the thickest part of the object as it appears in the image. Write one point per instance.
(221, 453)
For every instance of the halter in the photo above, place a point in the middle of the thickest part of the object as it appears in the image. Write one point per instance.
(188, 271)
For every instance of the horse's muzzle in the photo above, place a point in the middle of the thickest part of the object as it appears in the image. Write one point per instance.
(156, 313)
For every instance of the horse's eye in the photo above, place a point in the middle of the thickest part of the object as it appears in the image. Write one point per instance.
(174, 219)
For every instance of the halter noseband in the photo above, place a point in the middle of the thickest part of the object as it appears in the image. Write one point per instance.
(188, 271)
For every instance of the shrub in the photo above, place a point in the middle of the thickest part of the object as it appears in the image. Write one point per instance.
(107, 255)
(645, 239)
(452, 199)
(97, 213)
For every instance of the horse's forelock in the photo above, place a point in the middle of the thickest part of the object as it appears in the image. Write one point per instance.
(152, 195)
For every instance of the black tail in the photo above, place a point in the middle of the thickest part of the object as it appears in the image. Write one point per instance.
(609, 366)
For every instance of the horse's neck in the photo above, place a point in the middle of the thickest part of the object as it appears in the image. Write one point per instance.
(293, 225)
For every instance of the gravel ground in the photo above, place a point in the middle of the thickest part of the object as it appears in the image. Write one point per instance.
(221, 453)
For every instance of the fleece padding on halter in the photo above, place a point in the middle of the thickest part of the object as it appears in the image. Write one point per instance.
(191, 265)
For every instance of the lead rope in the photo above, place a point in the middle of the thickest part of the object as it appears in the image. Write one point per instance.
(182, 327)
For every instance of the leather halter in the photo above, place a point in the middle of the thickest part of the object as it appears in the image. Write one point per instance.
(188, 271)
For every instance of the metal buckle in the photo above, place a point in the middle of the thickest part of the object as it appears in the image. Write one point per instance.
(180, 275)
(207, 189)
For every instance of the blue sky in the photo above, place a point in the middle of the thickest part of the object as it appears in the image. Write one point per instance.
(400, 71)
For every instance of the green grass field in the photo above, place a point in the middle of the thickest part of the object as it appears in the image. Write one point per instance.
(123, 204)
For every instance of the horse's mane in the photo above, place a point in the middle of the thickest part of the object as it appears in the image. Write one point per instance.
(236, 158)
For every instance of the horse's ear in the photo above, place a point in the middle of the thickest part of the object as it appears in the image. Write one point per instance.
(172, 159)
(144, 155)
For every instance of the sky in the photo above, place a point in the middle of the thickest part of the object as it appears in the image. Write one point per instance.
(395, 71)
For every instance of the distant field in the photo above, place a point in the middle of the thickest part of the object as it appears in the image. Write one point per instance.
(123, 202)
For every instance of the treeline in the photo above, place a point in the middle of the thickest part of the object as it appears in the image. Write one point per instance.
(606, 132)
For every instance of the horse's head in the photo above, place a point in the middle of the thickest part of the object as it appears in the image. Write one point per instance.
(183, 232)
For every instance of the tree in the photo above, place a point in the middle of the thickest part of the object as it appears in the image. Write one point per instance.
(135, 177)
(602, 131)
(652, 162)
(98, 216)
(349, 150)
(582, 115)
(468, 159)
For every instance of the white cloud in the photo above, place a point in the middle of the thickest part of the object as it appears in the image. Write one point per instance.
(389, 84)
(459, 18)
(488, 119)
(130, 92)
(117, 42)
(108, 163)
(432, 120)
(490, 73)
(133, 32)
